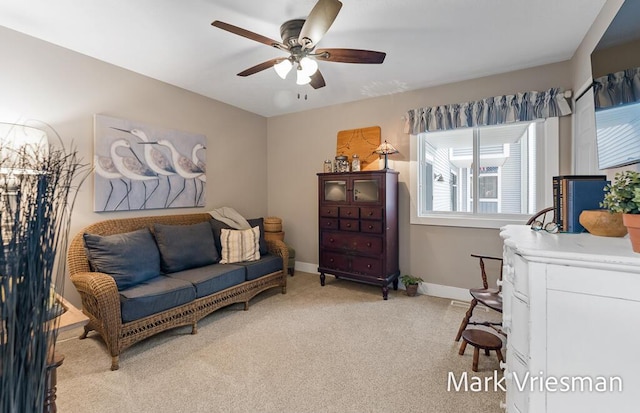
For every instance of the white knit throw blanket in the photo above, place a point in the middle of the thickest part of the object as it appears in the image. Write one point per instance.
(230, 217)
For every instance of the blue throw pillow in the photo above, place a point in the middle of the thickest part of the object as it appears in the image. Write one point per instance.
(130, 258)
(185, 246)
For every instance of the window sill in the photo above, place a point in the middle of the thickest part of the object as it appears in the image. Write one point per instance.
(469, 220)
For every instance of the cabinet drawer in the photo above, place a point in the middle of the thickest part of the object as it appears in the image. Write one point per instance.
(366, 244)
(521, 275)
(516, 373)
(349, 212)
(350, 225)
(334, 261)
(367, 266)
(372, 227)
(352, 242)
(519, 336)
(328, 211)
(370, 213)
(328, 223)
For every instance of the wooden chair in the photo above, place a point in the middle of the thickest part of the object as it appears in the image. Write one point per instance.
(547, 215)
(489, 297)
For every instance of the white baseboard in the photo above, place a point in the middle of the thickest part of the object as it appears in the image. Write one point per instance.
(436, 290)
(306, 267)
(445, 291)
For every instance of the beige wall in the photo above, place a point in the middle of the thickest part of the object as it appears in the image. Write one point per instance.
(581, 60)
(63, 88)
(615, 59)
(298, 144)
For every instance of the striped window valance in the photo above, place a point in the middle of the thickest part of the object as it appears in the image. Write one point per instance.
(617, 88)
(496, 110)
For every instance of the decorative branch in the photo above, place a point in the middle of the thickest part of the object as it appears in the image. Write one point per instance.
(38, 185)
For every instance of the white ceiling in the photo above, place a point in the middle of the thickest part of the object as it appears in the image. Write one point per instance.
(428, 42)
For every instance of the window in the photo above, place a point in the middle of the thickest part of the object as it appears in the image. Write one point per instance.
(510, 165)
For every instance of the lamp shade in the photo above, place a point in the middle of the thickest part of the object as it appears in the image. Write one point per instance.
(385, 149)
(309, 66)
(301, 78)
(283, 68)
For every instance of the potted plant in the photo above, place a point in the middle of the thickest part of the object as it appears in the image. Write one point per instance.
(623, 196)
(411, 284)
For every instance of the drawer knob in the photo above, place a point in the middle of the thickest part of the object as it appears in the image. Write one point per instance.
(328, 224)
(331, 260)
(348, 212)
(370, 213)
(370, 226)
(349, 225)
(369, 266)
(331, 240)
(368, 244)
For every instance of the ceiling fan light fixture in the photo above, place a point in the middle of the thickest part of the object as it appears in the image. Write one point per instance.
(283, 68)
(308, 66)
(301, 78)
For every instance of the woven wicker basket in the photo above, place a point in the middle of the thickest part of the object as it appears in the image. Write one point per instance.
(274, 235)
(272, 224)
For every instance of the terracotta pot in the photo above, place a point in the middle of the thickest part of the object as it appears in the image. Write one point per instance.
(412, 290)
(603, 223)
(632, 222)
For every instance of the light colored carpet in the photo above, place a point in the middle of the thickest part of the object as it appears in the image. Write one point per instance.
(338, 348)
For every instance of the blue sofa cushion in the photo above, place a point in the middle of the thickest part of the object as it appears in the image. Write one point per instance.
(153, 296)
(265, 265)
(211, 278)
(119, 255)
(217, 227)
(185, 246)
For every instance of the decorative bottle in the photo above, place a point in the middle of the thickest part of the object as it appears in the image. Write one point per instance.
(355, 163)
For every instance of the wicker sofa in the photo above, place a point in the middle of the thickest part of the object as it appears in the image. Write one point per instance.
(104, 301)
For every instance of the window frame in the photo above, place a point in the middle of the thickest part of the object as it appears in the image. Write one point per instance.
(547, 165)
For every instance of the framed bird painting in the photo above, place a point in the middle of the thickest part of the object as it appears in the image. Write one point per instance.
(139, 166)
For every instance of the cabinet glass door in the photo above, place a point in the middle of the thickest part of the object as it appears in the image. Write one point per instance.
(365, 190)
(335, 191)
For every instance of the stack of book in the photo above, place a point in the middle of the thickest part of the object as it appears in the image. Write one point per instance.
(573, 194)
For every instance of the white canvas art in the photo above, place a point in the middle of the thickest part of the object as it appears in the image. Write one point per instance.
(139, 166)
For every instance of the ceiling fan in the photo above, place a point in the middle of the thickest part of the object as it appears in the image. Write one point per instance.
(299, 39)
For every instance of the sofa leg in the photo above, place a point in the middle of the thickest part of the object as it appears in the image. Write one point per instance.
(284, 289)
(194, 328)
(246, 305)
(115, 363)
(84, 334)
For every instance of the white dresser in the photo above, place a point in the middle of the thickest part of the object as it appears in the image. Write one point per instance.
(571, 309)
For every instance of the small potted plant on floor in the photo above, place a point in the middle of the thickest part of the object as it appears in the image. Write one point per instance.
(623, 196)
(411, 284)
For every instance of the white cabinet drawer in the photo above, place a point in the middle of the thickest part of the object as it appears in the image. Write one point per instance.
(516, 399)
(604, 283)
(519, 335)
(521, 276)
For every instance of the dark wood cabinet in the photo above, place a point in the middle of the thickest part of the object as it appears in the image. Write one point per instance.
(358, 227)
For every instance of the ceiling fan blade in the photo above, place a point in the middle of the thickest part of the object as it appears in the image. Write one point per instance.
(260, 67)
(249, 35)
(350, 56)
(318, 22)
(317, 81)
